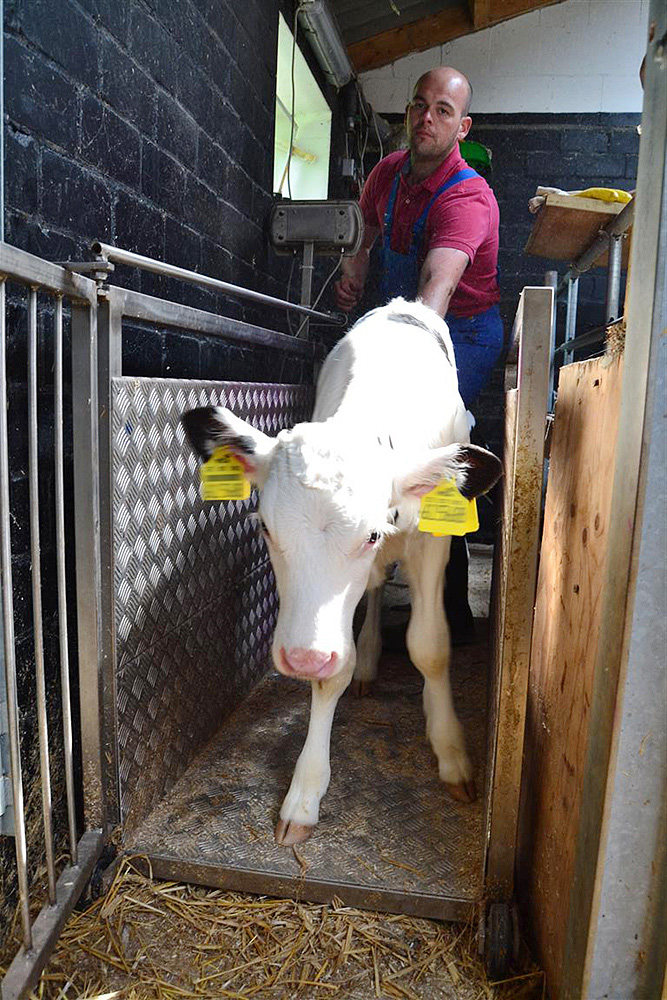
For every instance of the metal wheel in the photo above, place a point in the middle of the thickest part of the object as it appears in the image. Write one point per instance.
(499, 941)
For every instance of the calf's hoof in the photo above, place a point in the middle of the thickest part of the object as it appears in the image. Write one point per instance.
(464, 791)
(289, 832)
(361, 689)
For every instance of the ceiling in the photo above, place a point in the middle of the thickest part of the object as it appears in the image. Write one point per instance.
(378, 32)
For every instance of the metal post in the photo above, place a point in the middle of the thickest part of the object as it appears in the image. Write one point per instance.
(33, 472)
(571, 317)
(87, 538)
(62, 582)
(613, 278)
(109, 364)
(8, 635)
(551, 281)
(306, 283)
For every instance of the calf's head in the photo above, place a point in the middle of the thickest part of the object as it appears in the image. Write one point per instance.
(326, 505)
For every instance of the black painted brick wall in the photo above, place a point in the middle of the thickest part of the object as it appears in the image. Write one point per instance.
(571, 152)
(147, 124)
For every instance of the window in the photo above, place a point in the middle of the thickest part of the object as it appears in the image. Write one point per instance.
(307, 176)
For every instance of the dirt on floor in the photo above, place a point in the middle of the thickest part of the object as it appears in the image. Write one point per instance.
(146, 939)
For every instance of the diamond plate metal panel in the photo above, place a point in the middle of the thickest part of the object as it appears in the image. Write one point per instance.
(195, 603)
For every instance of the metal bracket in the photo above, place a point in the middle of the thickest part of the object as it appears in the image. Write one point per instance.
(98, 270)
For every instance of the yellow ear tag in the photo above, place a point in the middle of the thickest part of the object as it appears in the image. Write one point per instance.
(443, 511)
(222, 477)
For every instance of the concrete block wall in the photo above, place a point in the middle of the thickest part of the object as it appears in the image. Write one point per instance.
(147, 124)
(571, 57)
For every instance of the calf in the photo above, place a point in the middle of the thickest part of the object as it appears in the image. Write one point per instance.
(339, 500)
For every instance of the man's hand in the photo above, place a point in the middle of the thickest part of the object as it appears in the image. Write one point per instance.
(348, 292)
(350, 286)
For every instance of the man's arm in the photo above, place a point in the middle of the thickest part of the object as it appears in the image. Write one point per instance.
(350, 286)
(440, 274)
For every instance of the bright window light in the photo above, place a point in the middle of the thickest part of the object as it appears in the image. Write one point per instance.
(311, 141)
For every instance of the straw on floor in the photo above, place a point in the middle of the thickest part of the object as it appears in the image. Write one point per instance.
(148, 939)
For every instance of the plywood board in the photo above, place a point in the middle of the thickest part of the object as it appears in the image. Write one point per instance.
(565, 636)
(565, 226)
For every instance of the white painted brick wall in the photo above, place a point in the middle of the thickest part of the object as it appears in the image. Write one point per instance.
(576, 56)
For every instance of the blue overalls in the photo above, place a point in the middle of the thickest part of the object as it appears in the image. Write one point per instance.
(478, 340)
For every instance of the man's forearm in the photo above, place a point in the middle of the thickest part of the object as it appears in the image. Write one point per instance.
(437, 293)
(356, 268)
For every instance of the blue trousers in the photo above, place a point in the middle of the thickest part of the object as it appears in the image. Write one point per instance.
(478, 343)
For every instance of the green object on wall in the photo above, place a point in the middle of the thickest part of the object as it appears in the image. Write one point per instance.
(475, 154)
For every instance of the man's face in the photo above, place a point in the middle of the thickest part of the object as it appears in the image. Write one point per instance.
(434, 118)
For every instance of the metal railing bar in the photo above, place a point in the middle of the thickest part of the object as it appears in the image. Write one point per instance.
(25, 970)
(33, 479)
(62, 582)
(615, 227)
(571, 317)
(137, 305)
(8, 628)
(23, 267)
(595, 336)
(119, 256)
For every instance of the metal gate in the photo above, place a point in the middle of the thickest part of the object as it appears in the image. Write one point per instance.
(59, 306)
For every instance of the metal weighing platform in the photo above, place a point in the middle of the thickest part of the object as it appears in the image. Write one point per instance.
(206, 739)
(389, 837)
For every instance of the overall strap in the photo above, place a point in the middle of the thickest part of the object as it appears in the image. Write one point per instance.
(389, 210)
(461, 175)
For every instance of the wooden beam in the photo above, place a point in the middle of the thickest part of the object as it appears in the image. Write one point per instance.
(452, 22)
(479, 11)
(503, 10)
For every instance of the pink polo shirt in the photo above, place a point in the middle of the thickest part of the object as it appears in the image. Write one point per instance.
(465, 217)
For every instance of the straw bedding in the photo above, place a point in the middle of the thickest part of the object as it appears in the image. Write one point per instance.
(167, 941)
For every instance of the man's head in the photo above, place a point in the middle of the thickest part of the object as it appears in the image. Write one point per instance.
(437, 116)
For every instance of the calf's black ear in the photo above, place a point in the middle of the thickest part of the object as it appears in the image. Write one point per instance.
(481, 469)
(203, 430)
(211, 427)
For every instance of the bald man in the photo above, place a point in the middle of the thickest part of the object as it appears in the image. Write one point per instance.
(438, 223)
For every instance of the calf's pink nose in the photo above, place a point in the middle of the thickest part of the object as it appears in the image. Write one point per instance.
(308, 662)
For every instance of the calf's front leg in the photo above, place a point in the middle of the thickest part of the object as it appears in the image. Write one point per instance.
(369, 645)
(300, 810)
(429, 648)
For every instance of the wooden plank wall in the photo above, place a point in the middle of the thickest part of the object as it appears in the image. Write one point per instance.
(574, 547)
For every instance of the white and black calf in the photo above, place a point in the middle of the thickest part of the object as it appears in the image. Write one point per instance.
(339, 500)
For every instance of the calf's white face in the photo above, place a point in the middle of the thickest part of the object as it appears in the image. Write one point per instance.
(324, 518)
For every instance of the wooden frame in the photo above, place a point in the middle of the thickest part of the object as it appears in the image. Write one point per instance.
(515, 578)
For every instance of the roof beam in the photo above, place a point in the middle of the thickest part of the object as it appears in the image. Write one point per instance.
(479, 12)
(449, 23)
(452, 22)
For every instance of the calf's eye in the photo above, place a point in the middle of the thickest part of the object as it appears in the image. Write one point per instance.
(373, 538)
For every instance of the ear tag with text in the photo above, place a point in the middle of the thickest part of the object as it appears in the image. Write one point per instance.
(222, 477)
(443, 511)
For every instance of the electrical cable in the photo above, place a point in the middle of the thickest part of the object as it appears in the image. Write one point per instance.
(377, 132)
(289, 292)
(315, 303)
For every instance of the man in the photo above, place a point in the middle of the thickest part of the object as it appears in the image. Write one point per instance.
(438, 224)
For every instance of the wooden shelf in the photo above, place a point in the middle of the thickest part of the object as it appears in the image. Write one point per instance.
(565, 226)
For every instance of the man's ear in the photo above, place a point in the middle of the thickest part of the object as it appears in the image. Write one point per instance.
(464, 127)
(211, 427)
(474, 470)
